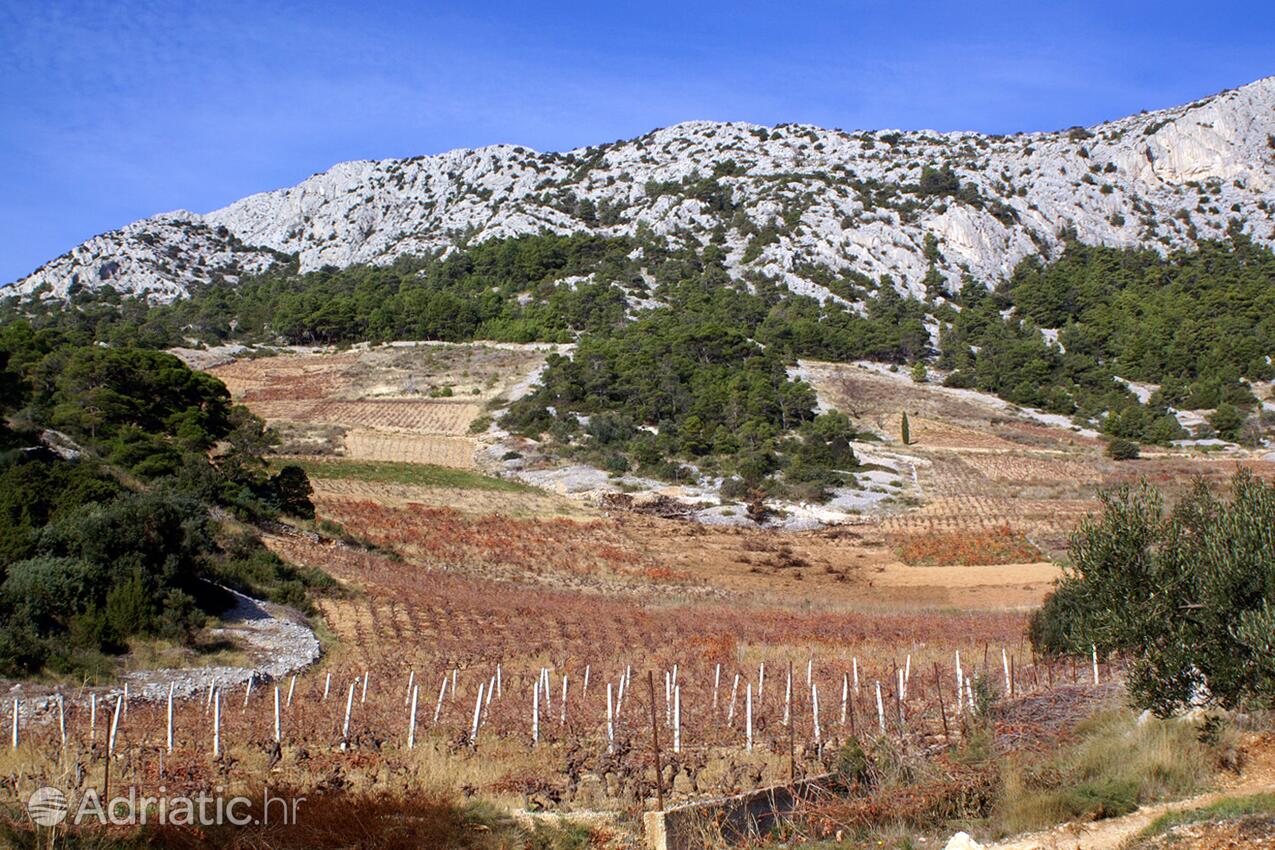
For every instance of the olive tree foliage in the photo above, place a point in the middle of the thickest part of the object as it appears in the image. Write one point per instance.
(1185, 593)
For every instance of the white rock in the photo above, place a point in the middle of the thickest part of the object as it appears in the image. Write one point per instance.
(962, 841)
(1210, 155)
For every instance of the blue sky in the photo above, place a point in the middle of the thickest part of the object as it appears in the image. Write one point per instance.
(113, 111)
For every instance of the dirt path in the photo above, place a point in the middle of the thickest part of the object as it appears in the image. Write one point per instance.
(275, 642)
(1258, 777)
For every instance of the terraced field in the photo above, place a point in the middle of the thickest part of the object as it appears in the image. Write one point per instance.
(411, 404)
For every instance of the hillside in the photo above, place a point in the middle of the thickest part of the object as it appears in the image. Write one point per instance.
(800, 205)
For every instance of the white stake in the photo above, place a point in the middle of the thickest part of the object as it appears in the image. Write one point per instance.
(216, 723)
(327, 687)
(584, 690)
(668, 698)
(610, 723)
(278, 720)
(92, 717)
(1095, 663)
(788, 697)
(814, 709)
(907, 675)
(677, 718)
(115, 724)
(855, 666)
(455, 673)
(734, 689)
(208, 700)
(901, 689)
(491, 689)
(411, 682)
(960, 683)
(15, 723)
(500, 687)
(535, 714)
(292, 686)
(880, 710)
(169, 738)
(748, 716)
(563, 722)
(62, 719)
(363, 695)
(478, 713)
(845, 696)
(126, 700)
(761, 679)
(1005, 664)
(247, 692)
(438, 706)
(969, 692)
(619, 694)
(411, 723)
(810, 671)
(345, 724)
(717, 683)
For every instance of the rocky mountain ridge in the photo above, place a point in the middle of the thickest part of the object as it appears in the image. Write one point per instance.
(796, 203)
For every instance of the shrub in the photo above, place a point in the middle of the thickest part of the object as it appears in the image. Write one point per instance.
(1122, 449)
(1186, 594)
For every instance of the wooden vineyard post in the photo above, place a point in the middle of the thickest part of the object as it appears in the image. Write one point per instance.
(655, 739)
(938, 690)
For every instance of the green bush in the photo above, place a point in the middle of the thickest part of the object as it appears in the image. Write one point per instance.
(1122, 449)
(1187, 594)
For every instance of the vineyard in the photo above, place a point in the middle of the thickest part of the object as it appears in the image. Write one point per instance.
(538, 697)
(411, 404)
(495, 641)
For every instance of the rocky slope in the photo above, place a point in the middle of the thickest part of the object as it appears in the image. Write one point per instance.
(798, 203)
